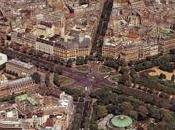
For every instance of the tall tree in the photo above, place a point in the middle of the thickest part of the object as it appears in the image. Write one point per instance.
(36, 77)
(126, 107)
(143, 112)
(101, 111)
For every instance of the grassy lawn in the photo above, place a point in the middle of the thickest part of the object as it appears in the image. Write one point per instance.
(82, 68)
(64, 80)
(155, 71)
(105, 69)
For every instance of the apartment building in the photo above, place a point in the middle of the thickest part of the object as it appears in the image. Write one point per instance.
(167, 45)
(17, 86)
(130, 53)
(65, 48)
(20, 68)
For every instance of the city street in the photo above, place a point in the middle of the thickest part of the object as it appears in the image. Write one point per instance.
(81, 78)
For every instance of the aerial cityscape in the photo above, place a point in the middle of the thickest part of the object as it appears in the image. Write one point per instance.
(87, 64)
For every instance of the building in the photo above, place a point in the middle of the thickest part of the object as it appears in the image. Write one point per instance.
(25, 39)
(120, 122)
(4, 25)
(167, 45)
(120, 3)
(111, 50)
(66, 102)
(43, 112)
(9, 114)
(55, 18)
(62, 112)
(65, 48)
(130, 53)
(44, 45)
(124, 48)
(10, 125)
(20, 68)
(129, 49)
(137, 4)
(134, 19)
(18, 86)
(3, 59)
(45, 29)
(3, 79)
(148, 49)
(57, 4)
(27, 103)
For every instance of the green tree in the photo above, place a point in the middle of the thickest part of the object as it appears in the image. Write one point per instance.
(151, 126)
(143, 112)
(36, 77)
(124, 79)
(58, 69)
(80, 60)
(86, 59)
(154, 112)
(126, 107)
(162, 76)
(56, 80)
(93, 126)
(124, 70)
(173, 77)
(75, 92)
(69, 63)
(163, 126)
(134, 114)
(167, 116)
(101, 111)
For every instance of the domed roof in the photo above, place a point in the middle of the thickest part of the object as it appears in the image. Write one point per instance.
(121, 121)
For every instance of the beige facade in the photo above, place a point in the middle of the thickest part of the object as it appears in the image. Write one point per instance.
(148, 50)
(17, 86)
(168, 45)
(26, 39)
(71, 53)
(43, 47)
(20, 68)
(43, 30)
(120, 3)
(131, 50)
(63, 49)
(111, 51)
(130, 54)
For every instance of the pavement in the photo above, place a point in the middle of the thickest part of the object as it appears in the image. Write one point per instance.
(81, 78)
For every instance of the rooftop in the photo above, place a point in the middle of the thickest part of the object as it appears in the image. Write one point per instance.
(25, 97)
(22, 64)
(3, 58)
(68, 42)
(15, 82)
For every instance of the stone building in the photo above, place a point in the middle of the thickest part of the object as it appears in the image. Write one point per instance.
(20, 68)
(45, 29)
(167, 45)
(17, 86)
(130, 53)
(68, 47)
